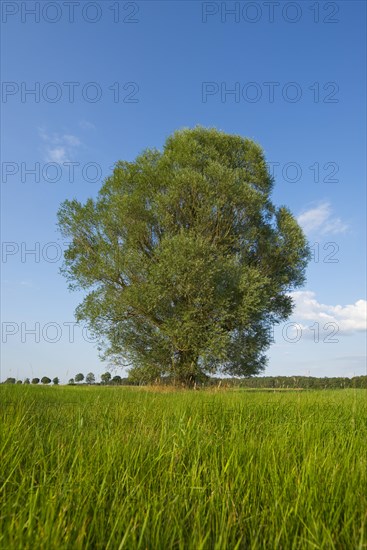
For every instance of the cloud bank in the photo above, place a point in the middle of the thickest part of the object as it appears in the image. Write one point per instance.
(320, 219)
(349, 318)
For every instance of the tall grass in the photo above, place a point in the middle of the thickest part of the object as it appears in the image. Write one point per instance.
(125, 468)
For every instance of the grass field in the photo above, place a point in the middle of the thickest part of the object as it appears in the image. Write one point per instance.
(115, 468)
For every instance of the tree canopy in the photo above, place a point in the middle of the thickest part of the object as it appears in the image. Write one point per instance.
(186, 261)
(106, 377)
(90, 378)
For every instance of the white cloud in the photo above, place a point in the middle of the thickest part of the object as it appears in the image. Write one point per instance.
(73, 141)
(349, 318)
(320, 219)
(57, 154)
(86, 125)
(58, 147)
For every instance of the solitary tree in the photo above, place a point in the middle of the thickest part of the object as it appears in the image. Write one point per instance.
(187, 262)
(27, 381)
(116, 380)
(35, 380)
(79, 377)
(46, 380)
(106, 377)
(71, 382)
(90, 378)
(10, 380)
(56, 381)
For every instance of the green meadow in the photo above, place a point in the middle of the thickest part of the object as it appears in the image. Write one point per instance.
(138, 468)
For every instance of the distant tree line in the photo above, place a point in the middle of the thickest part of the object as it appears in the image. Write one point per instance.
(302, 382)
(269, 382)
(44, 380)
(106, 380)
(265, 382)
(79, 379)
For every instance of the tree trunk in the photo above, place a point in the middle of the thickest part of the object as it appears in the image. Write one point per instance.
(186, 368)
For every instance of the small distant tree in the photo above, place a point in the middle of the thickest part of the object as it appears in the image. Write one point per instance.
(19, 382)
(116, 380)
(46, 380)
(35, 380)
(10, 381)
(90, 378)
(79, 377)
(27, 381)
(106, 377)
(71, 382)
(56, 381)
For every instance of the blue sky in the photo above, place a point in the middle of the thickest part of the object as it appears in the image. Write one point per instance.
(112, 78)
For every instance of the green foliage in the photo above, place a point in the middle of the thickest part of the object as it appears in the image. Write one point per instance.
(186, 261)
(56, 381)
(90, 378)
(10, 380)
(71, 382)
(35, 380)
(79, 377)
(46, 380)
(106, 377)
(27, 381)
(98, 467)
